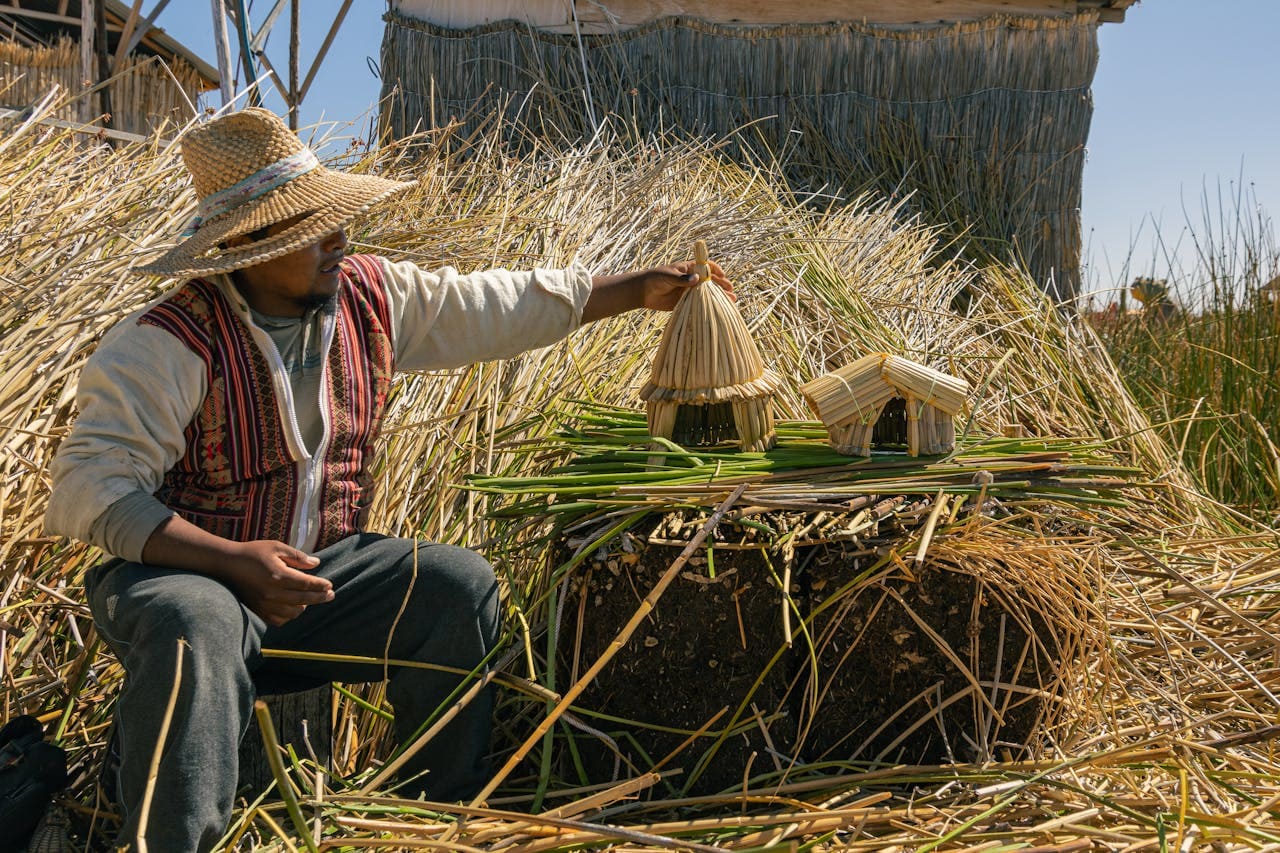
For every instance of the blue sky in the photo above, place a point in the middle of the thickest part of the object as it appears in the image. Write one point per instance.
(1185, 105)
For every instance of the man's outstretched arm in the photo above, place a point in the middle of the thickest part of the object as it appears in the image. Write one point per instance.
(658, 288)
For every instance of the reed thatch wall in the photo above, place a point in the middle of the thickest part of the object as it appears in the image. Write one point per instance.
(985, 122)
(144, 96)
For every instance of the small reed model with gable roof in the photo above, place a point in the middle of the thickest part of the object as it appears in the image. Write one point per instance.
(708, 384)
(851, 400)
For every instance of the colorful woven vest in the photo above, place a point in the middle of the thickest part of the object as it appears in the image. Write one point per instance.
(237, 478)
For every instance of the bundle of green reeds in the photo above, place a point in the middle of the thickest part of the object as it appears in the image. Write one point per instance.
(1174, 748)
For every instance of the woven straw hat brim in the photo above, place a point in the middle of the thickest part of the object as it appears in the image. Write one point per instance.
(335, 197)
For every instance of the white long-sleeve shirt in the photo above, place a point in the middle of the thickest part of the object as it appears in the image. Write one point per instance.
(142, 386)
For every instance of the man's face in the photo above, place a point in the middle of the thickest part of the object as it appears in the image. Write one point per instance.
(290, 284)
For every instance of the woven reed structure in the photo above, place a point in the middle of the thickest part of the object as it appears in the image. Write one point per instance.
(983, 120)
(708, 384)
(143, 97)
(855, 399)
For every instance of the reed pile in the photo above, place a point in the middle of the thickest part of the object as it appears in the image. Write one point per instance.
(1174, 749)
(863, 630)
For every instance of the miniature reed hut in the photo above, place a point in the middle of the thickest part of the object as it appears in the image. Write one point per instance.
(708, 384)
(857, 405)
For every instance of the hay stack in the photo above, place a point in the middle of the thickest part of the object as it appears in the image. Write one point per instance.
(708, 384)
(853, 400)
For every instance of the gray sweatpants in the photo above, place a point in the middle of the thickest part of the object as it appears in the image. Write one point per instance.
(450, 617)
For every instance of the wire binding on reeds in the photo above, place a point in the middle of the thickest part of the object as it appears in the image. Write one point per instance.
(851, 400)
(708, 384)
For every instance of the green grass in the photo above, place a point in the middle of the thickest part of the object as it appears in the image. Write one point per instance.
(1208, 376)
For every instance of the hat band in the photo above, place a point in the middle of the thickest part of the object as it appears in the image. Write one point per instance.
(268, 178)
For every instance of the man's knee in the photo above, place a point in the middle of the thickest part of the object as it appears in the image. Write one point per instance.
(164, 608)
(199, 606)
(456, 577)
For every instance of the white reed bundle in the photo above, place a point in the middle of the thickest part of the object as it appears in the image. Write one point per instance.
(754, 419)
(851, 439)
(913, 425)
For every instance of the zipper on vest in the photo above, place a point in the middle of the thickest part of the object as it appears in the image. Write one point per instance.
(315, 472)
(303, 527)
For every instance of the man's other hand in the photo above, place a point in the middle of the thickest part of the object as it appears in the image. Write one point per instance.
(274, 581)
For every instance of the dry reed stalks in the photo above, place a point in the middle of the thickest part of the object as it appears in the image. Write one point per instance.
(1178, 747)
(981, 126)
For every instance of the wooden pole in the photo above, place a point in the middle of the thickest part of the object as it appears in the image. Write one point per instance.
(260, 37)
(246, 54)
(275, 78)
(87, 76)
(324, 49)
(104, 64)
(224, 51)
(126, 36)
(293, 64)
(143, 28)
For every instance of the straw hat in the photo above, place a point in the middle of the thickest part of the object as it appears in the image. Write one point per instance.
(251, 171)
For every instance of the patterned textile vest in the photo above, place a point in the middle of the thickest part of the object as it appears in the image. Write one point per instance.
(237, 478)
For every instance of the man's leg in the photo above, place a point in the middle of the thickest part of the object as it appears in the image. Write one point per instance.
(143, 612)
(407, 600)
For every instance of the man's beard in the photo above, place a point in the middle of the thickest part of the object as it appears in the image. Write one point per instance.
(318, 301)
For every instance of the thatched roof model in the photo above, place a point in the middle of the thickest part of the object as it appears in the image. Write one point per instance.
(857, 391)
(850, 401)
(707, 357)
(707, 354)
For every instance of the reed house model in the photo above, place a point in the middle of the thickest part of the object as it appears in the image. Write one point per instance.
(886, 398)
(708, 384)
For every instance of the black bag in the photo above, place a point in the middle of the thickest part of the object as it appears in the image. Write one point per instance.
(30, 772)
